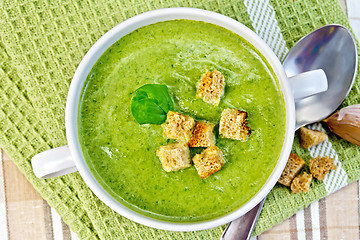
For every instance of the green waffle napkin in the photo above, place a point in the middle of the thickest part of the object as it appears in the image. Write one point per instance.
(43, 41)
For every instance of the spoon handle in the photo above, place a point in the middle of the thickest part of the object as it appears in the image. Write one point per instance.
(242, 228)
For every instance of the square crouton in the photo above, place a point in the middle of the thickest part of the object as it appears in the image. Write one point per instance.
(211, 87)
(292, 168)
(203, 135)
(174, 156)
(178, 126)
(209, 161)
(233, 124)
(320, 166)
(301, 183)
(310, 138)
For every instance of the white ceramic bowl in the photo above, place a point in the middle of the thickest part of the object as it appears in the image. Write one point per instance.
(69, 158)
(123, 29)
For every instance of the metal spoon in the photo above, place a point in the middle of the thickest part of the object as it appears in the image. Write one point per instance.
(333, 49)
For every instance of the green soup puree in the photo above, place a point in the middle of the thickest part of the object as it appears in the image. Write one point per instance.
(121, 153)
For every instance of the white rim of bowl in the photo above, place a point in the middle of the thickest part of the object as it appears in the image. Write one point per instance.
(124, 28)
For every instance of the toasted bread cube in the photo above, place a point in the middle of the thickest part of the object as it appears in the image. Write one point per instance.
(203, 135)
(209, 161)
(233, 124)
(301, 183)
(211, 87)
(320, 166)
(310, 138)
(174, 156)
(178, 126)
(292, 168)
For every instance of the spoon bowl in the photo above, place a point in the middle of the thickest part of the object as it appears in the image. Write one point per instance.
(331, 48)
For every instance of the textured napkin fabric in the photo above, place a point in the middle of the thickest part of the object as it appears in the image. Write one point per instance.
(43, 41)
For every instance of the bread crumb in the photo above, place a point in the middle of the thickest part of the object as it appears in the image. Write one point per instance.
(311, 138)
(301, 183)
(209, 161)
(320, 166)
(292, 168)
(211, 87)
(178, 126)
(233, 124)
(174, 156)
(203, 135)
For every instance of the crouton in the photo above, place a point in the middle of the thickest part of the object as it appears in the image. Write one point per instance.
(301, 183)
(203, 135)
(178, 126)
(320, 166)
(310, 138)
(174, 156)
(209, 161)
(233, 124)
(211, 87)
(292, 168)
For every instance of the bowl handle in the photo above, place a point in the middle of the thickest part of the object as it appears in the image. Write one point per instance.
(308, 83)
(53, 163)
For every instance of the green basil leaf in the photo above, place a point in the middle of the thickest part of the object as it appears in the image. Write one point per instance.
(151, 103)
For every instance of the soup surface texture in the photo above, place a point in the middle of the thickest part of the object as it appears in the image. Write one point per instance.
(122, 153)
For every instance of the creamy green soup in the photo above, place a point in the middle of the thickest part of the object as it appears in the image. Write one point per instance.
(122, 154)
